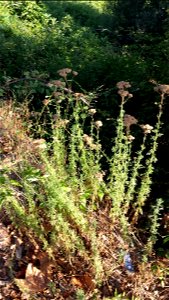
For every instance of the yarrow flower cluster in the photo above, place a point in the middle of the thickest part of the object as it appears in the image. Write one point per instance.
(122, 89)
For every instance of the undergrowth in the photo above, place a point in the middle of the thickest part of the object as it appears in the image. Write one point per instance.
(54, 189)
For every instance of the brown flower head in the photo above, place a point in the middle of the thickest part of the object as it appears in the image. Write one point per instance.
(121, 85)
(129, 120)
(78, 95)
(46, 102)
(160, 88)
(64, 72)
(123, 93)
(57, 94)
(153, 81)
(62, 122)
(57, 83)
(82, 97)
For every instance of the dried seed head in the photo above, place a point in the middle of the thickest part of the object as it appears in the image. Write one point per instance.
(100, 176)
(123, 93)
(93, 146)
(129, 120)
(88, 139)
(74, 73)
(146, 128)
(162, 89)
(62, 123)
(121, 85)
(78, 95)
(57, 83)
(57, 94)
(153, 81)
(92, 111)
(64, 72)
(130, 138)
(98, 124)
(46, 102)
(82, 97)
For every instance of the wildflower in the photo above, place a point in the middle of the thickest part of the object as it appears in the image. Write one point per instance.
(146, 128)
(100, 176)
(160, 88)
(121, 85)
(74, 73)
(153, 81)
(93, 147)
(98, 124)
(62, 122)
(92, 111)
(49, 84)
(64, 72)
(123, 93)
(130, 95)
(131, 138)
(80, 96)
(57, 94)
(129, 120)
(57, 83)
(46, 102)
(88, 139)
(65, 122)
